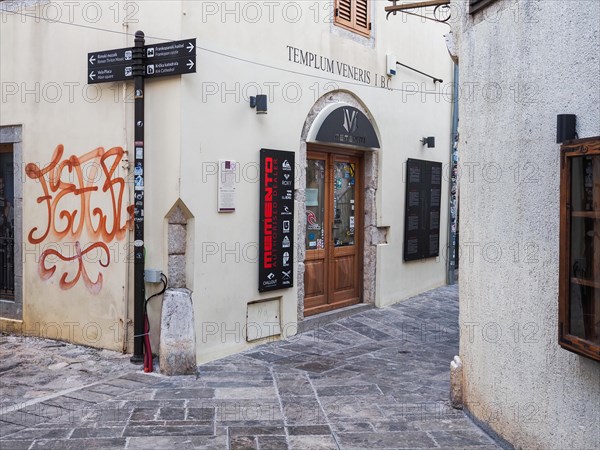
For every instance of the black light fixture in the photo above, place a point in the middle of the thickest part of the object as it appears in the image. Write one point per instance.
(565, 127)
(430, 141)
(260, 103)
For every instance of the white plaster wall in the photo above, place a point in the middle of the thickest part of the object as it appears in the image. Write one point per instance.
(223, 126)
(543, 58)
(188, 131)
(44, 89)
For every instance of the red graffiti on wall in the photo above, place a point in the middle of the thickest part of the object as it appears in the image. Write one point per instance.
(76, 192)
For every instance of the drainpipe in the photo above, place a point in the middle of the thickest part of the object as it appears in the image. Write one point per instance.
(453, 197)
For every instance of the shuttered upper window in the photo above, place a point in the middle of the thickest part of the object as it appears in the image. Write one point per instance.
(353, 15)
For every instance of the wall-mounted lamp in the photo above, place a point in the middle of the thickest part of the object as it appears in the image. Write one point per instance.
(430, 141)
(260, 103)
(565, 127)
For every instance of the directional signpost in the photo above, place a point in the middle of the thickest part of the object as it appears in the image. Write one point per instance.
(110, 65)
(160, 60)
(171, 58)
(136, 64)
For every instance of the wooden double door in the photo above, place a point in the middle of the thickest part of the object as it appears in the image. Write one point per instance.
(334, 229)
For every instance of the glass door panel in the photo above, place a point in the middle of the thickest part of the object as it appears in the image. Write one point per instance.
(315, 204)
(343, 203)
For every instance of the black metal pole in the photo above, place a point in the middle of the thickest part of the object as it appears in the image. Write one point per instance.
(435, 80)
(138, 283)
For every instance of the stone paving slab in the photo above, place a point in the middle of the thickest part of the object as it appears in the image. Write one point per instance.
(33, 368)
(376, 380)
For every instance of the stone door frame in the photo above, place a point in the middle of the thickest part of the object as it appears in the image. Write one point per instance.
(13, 309)
(373, 235)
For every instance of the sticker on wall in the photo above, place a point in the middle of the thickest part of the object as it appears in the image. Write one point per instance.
(139, 183)
(311, 220)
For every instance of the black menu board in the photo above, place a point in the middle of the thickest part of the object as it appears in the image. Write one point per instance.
(422, 209)
(276, 235)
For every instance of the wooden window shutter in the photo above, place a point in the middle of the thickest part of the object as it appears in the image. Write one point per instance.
(353, 15)
(343, 13)
(362, 22)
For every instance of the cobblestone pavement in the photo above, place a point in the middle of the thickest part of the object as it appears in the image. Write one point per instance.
(378, 379)
(33, 368)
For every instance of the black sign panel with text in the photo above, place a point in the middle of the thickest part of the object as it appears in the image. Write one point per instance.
(110, 65)
(168, 67)
(170, 58)
(276, 235)
(171, 50)
(422, 209)
(160, 60)
(114, 57)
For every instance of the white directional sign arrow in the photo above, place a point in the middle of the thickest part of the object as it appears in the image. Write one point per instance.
(92, 76)
(190, 47)
(92, 59)
(190, 64)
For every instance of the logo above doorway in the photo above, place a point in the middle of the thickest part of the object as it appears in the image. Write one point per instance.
(347, 125)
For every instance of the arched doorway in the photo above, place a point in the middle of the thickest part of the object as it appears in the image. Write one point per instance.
(338, 234)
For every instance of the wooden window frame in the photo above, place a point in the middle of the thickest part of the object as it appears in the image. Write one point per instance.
(478, 5)
(351, 25)
(573, 343)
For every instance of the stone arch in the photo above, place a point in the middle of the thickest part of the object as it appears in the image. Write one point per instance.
(373, 235)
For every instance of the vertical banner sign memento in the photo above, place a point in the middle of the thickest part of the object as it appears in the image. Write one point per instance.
(276, 235)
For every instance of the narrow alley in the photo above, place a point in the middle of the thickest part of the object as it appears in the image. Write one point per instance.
(378, 379)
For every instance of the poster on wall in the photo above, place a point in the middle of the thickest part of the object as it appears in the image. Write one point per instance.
(422, 209)
(226, 190)
(276, 235)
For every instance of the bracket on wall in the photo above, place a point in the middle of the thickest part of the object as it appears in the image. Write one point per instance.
(441, 12)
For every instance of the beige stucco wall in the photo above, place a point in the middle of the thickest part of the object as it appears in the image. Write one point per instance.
(524, 63)
(194, 120)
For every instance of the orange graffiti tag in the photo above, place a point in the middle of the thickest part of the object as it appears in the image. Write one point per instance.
(93, 286)
(71, 209)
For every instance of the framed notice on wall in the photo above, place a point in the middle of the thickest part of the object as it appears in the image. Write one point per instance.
(276, 235)
(422, 209)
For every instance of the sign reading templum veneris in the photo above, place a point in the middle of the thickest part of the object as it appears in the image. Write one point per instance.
(335, 67)
(276, 235)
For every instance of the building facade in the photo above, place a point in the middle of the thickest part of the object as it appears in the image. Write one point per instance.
(321, 65)
(522, 64)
